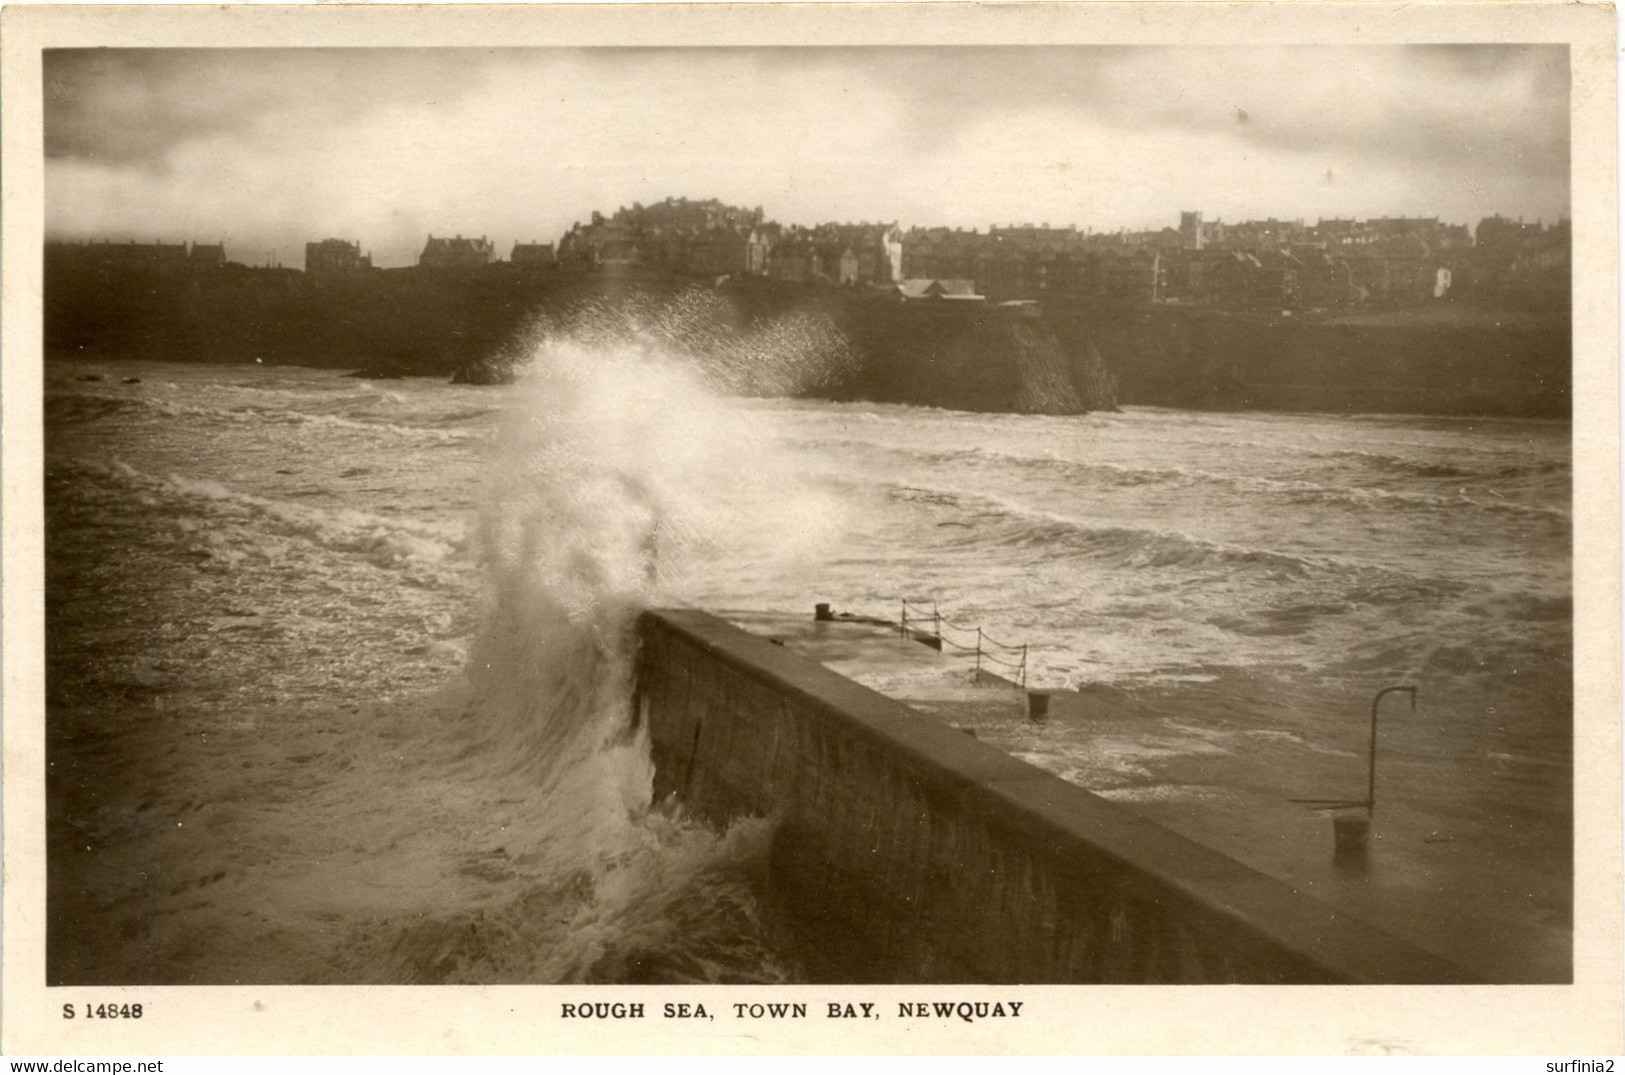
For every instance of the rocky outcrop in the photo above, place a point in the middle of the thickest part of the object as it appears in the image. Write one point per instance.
(830, 344)
(972, 358)
(1096, 383)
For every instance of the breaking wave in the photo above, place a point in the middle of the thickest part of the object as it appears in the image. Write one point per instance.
(614, 478)
(401, 738)
(1285, 491)
(193, 504)
(89, 408)
(1161, 552)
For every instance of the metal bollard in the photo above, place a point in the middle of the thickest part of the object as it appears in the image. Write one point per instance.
(1352, 836)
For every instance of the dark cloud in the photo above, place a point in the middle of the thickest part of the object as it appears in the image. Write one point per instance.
(1445, 108)
(136, 106)
(282, 143)
(1410, 104)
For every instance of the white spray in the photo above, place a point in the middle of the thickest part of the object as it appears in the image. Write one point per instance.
(618, 473)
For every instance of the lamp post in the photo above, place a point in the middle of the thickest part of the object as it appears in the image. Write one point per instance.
(1350, 830)
(1371, 782)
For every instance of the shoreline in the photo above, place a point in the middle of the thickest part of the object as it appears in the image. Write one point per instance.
(363, 373)
(1069, 356)
(1431, 877)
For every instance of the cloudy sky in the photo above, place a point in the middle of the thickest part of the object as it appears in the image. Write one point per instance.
(268, 148)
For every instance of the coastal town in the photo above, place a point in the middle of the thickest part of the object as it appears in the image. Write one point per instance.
(1330, 264)
(969, 502)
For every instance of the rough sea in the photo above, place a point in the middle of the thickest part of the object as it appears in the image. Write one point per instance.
(337, 669)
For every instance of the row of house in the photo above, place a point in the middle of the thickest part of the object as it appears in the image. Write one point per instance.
(710, 238)
(848, 254)
(1259, 263)
(1252, 264)
(1515, 261)
(343, 256)
(156, 256)
(704, 237)
(1384, 234)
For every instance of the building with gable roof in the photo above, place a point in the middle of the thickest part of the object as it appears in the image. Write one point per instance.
(878, 247)
(532, 255)
(456, 253)
(796, 259)
(131, 256)
(916, 289)
(206, 256)
(727, 251)
(335, 256)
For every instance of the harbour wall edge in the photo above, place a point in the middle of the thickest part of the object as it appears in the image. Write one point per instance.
(932, 857)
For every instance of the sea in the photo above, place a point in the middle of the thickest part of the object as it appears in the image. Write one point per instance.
(338, 668)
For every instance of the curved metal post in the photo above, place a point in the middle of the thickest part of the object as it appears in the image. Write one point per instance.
(1371, 784)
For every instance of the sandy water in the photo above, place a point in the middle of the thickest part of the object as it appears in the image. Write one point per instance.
(337, 669)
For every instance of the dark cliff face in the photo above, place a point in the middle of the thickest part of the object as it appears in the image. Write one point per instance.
(416, 323)
(1445, 359)
(476, 327)
(973, 359)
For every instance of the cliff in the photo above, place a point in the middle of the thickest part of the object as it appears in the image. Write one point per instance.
(404, 321)
(1441, 359)
(757, 339)
(1445, 359)
(971, 358)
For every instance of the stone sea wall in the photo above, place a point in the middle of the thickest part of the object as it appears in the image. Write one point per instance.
(915, 853)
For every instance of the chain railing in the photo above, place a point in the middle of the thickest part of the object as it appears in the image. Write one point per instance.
(1015, 659)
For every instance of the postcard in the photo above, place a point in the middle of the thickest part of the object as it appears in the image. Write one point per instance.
(811, 529)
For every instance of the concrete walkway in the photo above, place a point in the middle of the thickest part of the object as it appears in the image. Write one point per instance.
(1169, 765)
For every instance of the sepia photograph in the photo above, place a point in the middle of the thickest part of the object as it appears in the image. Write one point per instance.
(777, 520)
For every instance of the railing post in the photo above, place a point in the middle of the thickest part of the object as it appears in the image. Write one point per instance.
(982, 641)
(1371, 780)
